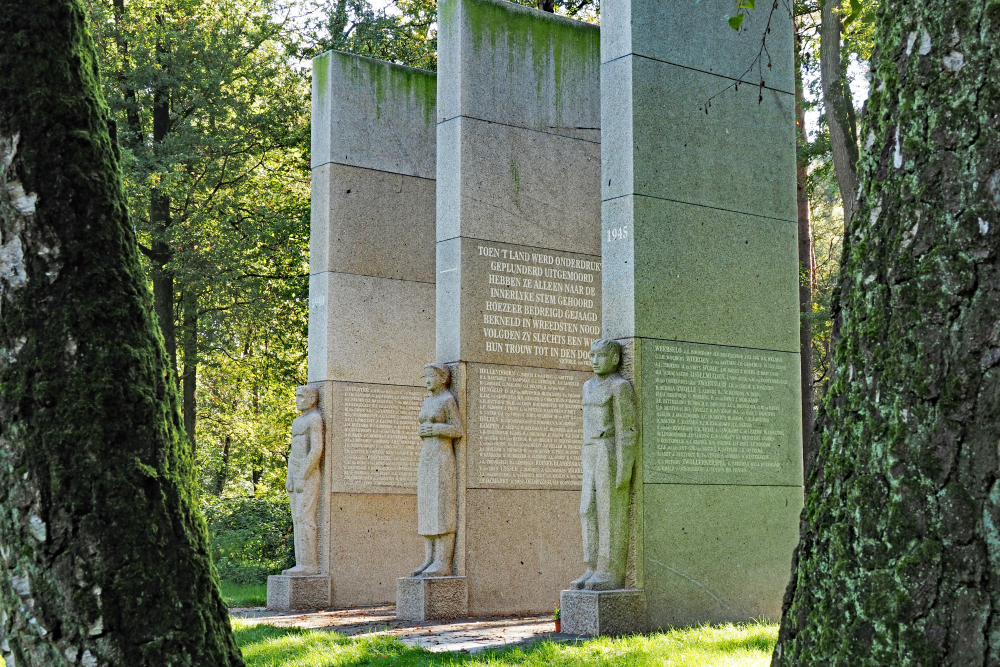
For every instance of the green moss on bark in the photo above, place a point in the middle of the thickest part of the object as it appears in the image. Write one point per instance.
(897, 559)
(103, 556)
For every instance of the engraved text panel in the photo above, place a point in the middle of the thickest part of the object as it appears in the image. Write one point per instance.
(381, 445)
(526, 427)
(720, 414)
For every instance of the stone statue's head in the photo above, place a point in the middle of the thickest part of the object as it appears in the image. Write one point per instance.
(605, 355)
(437, 374)
(306, 397)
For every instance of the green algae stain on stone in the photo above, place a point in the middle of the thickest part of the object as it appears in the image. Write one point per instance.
(562, 54)
(391, 86)
(320, 72)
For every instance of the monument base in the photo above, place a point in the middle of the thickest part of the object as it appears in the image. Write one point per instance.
(592, 613)
(425, 598)
(285, 592)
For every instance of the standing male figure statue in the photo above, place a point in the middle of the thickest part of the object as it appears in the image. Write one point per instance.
(609, 442)
(303, 482)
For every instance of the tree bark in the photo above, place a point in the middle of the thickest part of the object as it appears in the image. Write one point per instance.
(103, 555)
(220, 484)
(547, 6)
(899, 557)
(159, 215)
(839, 107)
(128, 92)
(807, 265)
(190, 339)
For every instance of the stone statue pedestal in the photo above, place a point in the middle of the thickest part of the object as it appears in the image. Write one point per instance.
(592, 613)
(309, 592)
(426, 598)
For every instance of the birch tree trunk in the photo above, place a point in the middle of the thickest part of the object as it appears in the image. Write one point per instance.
(103, 556)
(899, 557)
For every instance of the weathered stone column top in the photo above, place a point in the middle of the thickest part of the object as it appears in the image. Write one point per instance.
(518, 66)
(691, 35)
(386, 122)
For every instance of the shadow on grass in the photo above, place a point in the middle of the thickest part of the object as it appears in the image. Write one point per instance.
(722, 645)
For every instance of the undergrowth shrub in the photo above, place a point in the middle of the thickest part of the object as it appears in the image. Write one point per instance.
(250, 537)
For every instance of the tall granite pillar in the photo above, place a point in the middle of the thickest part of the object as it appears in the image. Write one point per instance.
(700, 283)
(371, 311)
(519, 275)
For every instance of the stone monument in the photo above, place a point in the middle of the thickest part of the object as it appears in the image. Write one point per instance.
(431, 591)
(598, 602)
(371, 313)
(700, 287)
(303, 586)
(518, 290)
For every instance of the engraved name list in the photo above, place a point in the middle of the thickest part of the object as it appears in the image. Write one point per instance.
(529, 424)
(718, 409)
(381, 444)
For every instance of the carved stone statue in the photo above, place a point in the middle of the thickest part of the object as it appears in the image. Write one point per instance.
(609, 442)
(437, 490)
(303, 482)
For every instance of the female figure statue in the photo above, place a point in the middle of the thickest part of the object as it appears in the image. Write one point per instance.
(437, 480)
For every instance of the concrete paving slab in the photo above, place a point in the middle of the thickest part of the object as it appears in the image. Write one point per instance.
(470, 635)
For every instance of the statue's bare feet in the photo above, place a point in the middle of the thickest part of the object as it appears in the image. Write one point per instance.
(602, 581)
(426, 564)
(579, 583)
(438, 569)
(301, 571)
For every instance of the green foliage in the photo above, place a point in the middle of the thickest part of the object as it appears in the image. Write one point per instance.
(250, 537)
(402, 32)
(827, 221)
(720, 645)
(232, 161)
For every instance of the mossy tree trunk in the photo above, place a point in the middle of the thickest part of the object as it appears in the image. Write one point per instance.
(189, 402)
(899, 557)
(103, 556)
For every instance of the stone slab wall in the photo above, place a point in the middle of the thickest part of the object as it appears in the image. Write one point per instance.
(371, 310)
(700, 282)
(519, 281)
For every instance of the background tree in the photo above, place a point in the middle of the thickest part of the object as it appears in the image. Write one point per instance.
(103, 556)
(912, 417)
(215, 147)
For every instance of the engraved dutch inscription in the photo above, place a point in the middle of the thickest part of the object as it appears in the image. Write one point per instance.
(381, 444)
(717, 409)
(538, 307)
(528, 425)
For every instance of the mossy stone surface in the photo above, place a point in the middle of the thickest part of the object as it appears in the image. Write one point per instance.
(512, 64)
(691, 273)
(668, 147)
(696, 35)
(373, 114)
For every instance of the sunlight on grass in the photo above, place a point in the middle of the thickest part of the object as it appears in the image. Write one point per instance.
(716, 646)
(244, 595)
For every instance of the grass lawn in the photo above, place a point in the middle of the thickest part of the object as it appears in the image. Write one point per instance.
(244, 595)
(718, 646)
